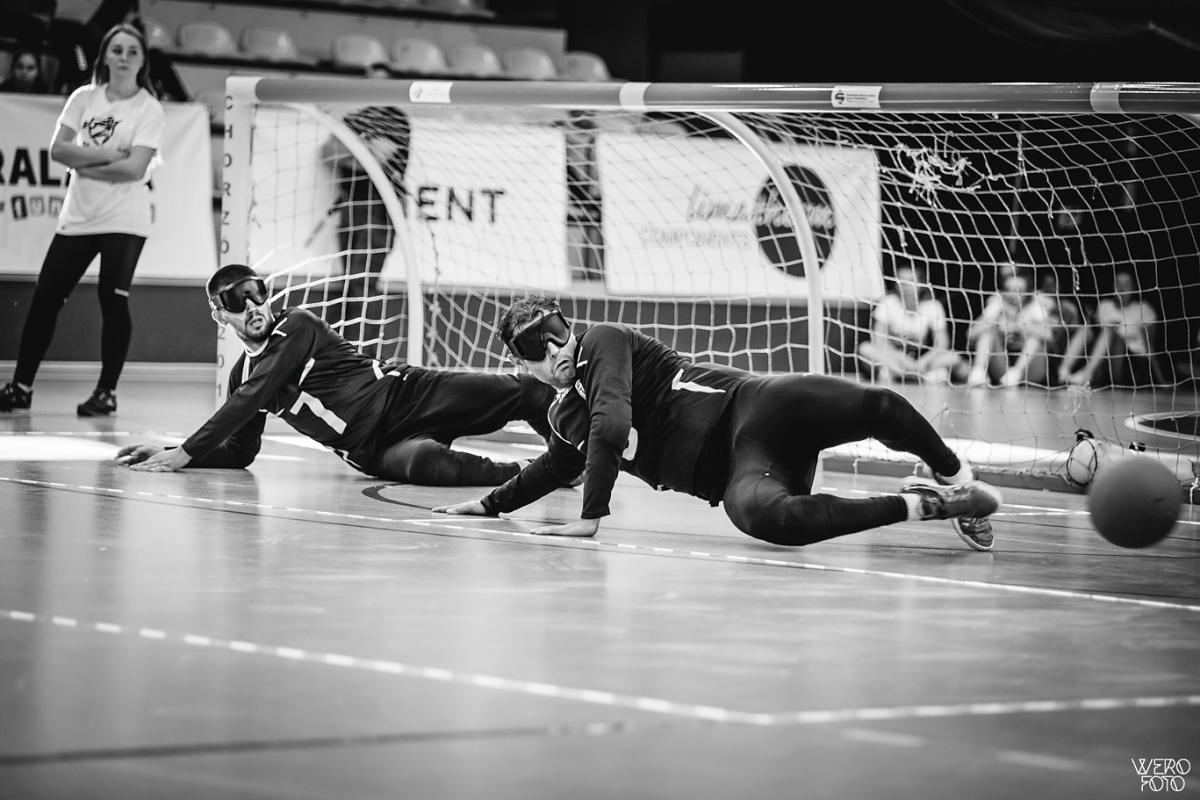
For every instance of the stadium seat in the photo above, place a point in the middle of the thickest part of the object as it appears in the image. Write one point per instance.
(475, 60)
(206, 39)
(528, 64)
(270, 44)
(418, 55)
(157, 35)
(358, 51)
(578, 65)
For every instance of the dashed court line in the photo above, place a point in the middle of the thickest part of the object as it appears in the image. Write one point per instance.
(707, 713)
(436, 525)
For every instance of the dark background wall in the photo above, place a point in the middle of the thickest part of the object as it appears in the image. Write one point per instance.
(925, 40)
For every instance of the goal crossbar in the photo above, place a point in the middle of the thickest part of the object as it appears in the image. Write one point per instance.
(1130, 98)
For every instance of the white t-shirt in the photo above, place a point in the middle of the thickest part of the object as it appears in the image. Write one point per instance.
(1011, 321)
(912, 329)
(96, 206)
(1132, 322)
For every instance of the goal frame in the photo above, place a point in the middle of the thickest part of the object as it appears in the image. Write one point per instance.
(717, 102)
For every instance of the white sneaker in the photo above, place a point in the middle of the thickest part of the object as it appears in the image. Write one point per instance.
(977, 377)
(1011, 378)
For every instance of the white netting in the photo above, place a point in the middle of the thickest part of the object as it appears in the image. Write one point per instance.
(668, 222)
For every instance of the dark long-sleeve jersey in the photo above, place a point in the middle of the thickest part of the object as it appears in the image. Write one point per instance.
(311, 378)
(636, 405)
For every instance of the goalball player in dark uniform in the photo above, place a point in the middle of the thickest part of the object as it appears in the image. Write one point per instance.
(626, 401)
(389, 421)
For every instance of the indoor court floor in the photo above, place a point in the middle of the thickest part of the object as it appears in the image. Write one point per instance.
(297, 630)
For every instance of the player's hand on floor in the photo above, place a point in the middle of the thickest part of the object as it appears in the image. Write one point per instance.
(471, 507)
(136, 453)
(580, 527)
(149, 458)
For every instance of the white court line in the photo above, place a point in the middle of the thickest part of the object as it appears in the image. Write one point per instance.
(773, 562)
(623, 547)
(957, 710)
(882, 737)
(1025, 759)
(343, 661)
(613, 699)
(1032, 510)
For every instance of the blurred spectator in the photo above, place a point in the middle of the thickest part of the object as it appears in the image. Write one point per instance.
(910, 336)
(163, 75)
(75, 45)
(1122, 350)
(1064, 323)
(26, 22)
(25, 74)
(1010, 336)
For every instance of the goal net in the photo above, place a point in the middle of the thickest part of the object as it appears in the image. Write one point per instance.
(1020, 261)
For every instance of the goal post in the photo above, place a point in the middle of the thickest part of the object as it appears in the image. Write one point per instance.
(777, 228)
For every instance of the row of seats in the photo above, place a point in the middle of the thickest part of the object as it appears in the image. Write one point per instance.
(455, 7)
(357, 51)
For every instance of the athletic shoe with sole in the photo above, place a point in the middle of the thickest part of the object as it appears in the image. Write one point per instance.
(967, 504)
(975, 531)
(100, 404)
(13, 397)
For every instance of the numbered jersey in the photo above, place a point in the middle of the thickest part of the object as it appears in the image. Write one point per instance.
(637, 406)
(311, 378)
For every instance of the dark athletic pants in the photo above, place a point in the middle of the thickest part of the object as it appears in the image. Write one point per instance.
(433, 408)
(777, 427)
(66, 260)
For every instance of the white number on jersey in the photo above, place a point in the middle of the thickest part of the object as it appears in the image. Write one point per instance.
(319, 411)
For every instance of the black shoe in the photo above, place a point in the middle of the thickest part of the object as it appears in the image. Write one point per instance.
(100, 404)
(13, 397)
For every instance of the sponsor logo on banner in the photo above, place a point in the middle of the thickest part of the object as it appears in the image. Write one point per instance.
(703, 217)
(773, 223)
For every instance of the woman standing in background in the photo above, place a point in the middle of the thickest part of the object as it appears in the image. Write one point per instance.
(109, 135)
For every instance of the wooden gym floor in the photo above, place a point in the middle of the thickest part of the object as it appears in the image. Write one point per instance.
(297, 630)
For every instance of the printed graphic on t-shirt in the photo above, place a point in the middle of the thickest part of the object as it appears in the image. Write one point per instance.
(101, 130)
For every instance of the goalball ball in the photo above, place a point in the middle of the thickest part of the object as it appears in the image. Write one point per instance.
(1134, 501)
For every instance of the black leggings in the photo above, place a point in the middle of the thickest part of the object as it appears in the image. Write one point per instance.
(437, 407)
(778, 426)
(66, 260)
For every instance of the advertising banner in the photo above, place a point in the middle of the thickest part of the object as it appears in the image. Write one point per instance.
(182, 243)
(702, 217)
